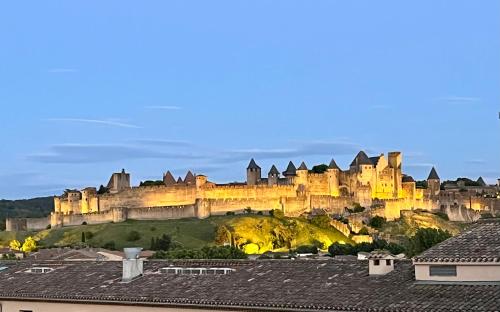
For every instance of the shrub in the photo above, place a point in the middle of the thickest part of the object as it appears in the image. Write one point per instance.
(89, 235)
(109, 245)
(230, 213)
(152, 229)
(133, 236)
(304, 249)
(248, 210)
(377, 222)
(222, 235)
(224, 252)
(364, 231)
(442, 215)
(277, 213)
(161, 243)
(48, 227)
(259, 213)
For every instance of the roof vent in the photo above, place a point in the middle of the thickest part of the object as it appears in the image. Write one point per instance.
(380, 262)
(40, 270)
(196, 271)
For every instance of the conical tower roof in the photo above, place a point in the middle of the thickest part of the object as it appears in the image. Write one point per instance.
(433, 175)
(168, 178)
(273, 171)
(290, 170)
(179, 180)
(333, 165)
(481, 181)
(253, 165)
(189, 178)
(302, 166)
(361, 159)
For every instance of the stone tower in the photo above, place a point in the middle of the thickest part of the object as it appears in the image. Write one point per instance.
(394, 159)
(433, 183)
(273, 176)
(253, 173)
(302, 173)
(333, 173)
(290, 172)
(119, 182)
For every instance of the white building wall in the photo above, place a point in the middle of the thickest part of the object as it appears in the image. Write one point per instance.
(474, 272)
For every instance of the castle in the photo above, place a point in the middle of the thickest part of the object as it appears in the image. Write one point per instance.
(370, 181)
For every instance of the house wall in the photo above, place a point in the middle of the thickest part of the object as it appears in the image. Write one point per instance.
(465, 273)
(16, 306)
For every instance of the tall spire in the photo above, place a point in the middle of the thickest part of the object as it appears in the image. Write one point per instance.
(168, 178)
(333, 165)
(290, 170)
(253, 165)
(433, 175)
(302, 166)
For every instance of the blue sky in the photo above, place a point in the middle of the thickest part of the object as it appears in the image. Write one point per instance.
(90, 87)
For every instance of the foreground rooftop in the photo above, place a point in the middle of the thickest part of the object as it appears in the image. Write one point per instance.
(284, 285)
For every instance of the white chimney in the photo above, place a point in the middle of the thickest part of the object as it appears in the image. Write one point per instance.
(380, 263)
(132, 265)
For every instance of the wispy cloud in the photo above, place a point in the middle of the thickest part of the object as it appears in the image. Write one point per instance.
(476, 161)
(162, 142)
(459, 99)
(99, 153)
(62, 70)
(419, 165)
(104, 122)
(164, 107)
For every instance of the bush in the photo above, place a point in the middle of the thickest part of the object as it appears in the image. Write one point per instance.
(442, 215)
(161, 243)
(133, 236)
(248, 210)
(356, 208)
(109, 245)
(364, 231)
(48, 227)
(89, 235)
(230, 213)
(222, 235)
(321, 221)
(277, 213)
(259, 213)
(304, 249)
(152, 229)
(377, 222)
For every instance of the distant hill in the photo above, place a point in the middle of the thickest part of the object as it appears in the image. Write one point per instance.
(25, 208)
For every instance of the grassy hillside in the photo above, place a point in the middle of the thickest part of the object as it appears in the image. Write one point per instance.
(25, 208)
(261, 231)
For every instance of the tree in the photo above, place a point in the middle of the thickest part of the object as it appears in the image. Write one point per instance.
(15, 245)
(83, 237)
(29, 245)
(248, 210)
(109, 245)
(377, 222)
(319, 168)
(425, 239)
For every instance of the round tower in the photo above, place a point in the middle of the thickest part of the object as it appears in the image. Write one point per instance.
(302, 174)
(333, 173)
(253, 173)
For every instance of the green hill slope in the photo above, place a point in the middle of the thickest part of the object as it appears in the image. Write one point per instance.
(266, 232)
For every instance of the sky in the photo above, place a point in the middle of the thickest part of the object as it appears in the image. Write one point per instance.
(90, 87)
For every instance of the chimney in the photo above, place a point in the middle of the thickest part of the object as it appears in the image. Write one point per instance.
(132, 265)
(380, 263)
